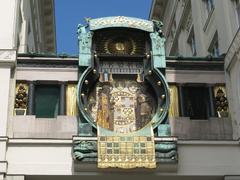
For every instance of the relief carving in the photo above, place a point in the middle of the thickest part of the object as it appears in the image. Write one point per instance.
(6, 55)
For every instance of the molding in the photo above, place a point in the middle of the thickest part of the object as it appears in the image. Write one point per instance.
(195, 65)
(213, 143)
(40, 141)
(77, 138)
(3, 166)
(162, 138)
(121, 21)
(200, 63)
(47, 62)
(8, 57)
(4, 138)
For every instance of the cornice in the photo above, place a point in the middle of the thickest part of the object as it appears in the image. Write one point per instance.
(8, 57)
(185, 63)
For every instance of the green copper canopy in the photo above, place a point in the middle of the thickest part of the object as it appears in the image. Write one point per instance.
(121, 21)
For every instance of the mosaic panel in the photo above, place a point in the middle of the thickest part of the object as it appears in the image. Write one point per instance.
(122, 105)
(126, 152)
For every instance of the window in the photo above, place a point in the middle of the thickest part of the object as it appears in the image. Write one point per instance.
(47, 100)
(214, 46)
(237, 5)
(196, 102)
(173, 28)
(192, 43)
(209, 5)
(215, 50)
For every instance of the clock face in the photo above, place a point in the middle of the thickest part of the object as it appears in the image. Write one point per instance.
(123, 105)
(120, 42)
(120, 46)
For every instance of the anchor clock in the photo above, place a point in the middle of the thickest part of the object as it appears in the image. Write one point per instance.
(123, 96)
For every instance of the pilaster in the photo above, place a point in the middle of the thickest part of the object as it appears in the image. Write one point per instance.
(3, 162)
(7, 63)
(211, 100)
(63, 98)
(31, 93)
(181, 99)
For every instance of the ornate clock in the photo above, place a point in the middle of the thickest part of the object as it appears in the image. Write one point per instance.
(122, 92)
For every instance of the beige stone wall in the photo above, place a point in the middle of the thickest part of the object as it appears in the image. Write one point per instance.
(232, 68)
(181, 16)
(53, 157)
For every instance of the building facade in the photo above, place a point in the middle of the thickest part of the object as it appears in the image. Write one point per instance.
(49, 112)
(197, 28)
(26, 26)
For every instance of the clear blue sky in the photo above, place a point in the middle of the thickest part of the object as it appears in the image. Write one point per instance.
(69, 13)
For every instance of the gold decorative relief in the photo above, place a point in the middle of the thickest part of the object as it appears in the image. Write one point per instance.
(174, 106)
(21, 99)
(71, 103)
(221, 101)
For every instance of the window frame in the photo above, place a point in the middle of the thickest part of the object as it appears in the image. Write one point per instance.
(214, 49)
(191, 41)
(237, 8)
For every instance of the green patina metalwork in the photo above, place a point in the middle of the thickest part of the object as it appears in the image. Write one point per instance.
(164, 130)
(85, 44)
(158, 58)
(166, 152)
(158, 49)
(84, 150)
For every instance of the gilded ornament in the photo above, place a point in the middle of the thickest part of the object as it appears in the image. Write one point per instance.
(86, 81)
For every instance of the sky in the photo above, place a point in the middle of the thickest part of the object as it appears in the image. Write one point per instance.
(69, 13)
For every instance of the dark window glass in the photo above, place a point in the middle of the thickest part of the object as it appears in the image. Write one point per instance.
(47, 101)
(196, 102)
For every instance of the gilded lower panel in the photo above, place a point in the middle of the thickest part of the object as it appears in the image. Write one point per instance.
(71, 98)
(126, 151)
(174, 105)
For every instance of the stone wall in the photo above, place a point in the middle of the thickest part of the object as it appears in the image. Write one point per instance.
(62, 127)
(212, 129)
